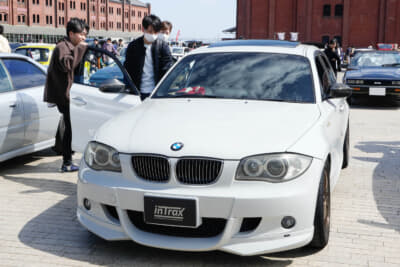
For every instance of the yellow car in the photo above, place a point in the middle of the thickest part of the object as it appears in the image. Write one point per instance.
(38, 52)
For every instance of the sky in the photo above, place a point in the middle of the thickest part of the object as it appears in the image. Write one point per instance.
(196, 19)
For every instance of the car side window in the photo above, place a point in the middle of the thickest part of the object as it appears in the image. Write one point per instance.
(97, 68)
(5, 83)
(330, 73)
(24, 74)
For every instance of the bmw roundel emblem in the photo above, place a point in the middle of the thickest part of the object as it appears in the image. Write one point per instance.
(176, 146)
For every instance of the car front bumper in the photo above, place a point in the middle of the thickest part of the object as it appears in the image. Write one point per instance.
(365, 91)
(114, 197)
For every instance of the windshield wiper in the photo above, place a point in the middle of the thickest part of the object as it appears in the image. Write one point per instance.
(391, 65)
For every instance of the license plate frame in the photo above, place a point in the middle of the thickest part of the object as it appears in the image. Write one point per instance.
(377, 91)
(171, 211)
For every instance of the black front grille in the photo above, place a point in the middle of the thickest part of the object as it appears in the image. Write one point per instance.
(378, 82)
(210, 227)
(198, 171)
(152, 168)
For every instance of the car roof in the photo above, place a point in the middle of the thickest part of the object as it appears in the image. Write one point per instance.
(271, 46)
(19, 56)
(51, 46)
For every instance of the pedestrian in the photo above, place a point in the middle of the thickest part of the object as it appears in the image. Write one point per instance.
(333, 57)
(4, 45)
(97, 54)
(148, 58)
(60, 75)
(110, 48)
(120, 45)
(165, 32)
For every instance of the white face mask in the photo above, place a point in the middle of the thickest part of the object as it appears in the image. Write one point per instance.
(163, 37)
(150, 37)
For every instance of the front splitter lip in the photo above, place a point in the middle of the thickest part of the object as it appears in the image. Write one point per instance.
(239, 246)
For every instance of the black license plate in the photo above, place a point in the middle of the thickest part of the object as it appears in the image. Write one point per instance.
(170, 211)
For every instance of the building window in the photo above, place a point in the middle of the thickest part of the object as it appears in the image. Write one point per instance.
(133, 13)
(37, 18)
(327, 11)
(33, 18)
(47, 19)
(339, 11)
(62, 6)
(63, 21)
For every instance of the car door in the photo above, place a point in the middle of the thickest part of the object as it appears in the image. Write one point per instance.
(94, 99)
(334, 112)
(11, 115)
(28, 79)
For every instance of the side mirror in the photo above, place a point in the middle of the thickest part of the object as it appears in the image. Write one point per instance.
(112, 86)
(338, 90)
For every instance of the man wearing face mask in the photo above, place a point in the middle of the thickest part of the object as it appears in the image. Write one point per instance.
(148, 58)
(166, 28)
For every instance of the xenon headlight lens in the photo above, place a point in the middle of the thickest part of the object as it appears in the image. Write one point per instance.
(102, 157)
(273, 167)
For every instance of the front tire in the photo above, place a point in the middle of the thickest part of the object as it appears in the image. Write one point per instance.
(322, 213)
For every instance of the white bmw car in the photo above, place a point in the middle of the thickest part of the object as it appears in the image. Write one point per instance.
(238, 149)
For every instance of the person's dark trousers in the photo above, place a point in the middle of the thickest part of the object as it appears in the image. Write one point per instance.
(67, 136)
(143, 96)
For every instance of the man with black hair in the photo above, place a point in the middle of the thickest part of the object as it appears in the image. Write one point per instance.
(148, 58)
(60, 75)
(4, 45)
(333, 57)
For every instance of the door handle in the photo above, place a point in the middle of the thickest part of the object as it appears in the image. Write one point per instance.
(13, 105)
(341, 108)
(79, 101)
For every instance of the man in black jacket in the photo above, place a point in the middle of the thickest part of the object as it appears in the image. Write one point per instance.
(148, 58)
(333, 57)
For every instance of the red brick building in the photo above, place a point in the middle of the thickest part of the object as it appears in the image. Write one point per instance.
(354, 22)
(33, 20)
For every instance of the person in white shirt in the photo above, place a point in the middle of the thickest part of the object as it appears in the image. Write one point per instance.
(148, 58)
(4, 45)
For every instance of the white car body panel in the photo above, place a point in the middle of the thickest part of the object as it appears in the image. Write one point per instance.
(31, 125)
(90, 108)
(11, 122)
(224, 129)
(190, 122)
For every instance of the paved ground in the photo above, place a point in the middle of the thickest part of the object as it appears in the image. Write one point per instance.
(38, 226)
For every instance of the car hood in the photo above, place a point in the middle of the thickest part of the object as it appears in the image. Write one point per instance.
(374, 73)
(227, 129)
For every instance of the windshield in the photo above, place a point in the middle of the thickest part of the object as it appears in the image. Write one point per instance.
(258, 76)
(376, 59)
(37, 54)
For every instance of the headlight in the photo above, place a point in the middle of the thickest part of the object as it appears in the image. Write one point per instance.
(101, 157)
(395, 82)
(355, 81)
(273, 167)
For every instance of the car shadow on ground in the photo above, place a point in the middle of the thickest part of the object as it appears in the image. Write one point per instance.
(57, 231)
(386, 181)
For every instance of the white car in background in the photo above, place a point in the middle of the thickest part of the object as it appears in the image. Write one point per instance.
(238, 149)
(27, 124)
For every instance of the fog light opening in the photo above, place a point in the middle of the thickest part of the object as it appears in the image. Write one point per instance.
(87, 204)
(288, 222)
